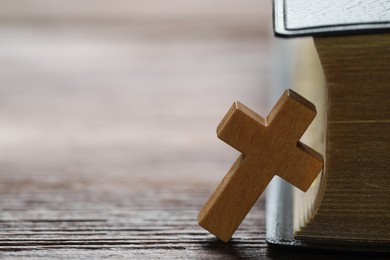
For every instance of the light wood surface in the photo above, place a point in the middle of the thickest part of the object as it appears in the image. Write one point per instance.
(270, 146)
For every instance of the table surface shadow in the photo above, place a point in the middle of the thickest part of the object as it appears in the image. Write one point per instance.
(108, 112)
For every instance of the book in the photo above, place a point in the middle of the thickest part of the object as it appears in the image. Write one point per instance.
(345, 71)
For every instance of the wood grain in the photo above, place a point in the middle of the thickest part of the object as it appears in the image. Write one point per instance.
(270, 147)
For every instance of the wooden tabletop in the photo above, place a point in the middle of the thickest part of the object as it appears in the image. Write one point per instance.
(108, 112)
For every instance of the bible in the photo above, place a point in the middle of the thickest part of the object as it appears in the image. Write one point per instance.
(342, 65)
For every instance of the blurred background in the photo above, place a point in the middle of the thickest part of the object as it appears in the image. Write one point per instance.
(108, 116)
(125, 90)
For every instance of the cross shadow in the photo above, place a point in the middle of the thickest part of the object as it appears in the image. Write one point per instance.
(218, 249)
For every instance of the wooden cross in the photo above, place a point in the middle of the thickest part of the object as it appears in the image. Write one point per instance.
(269, 147)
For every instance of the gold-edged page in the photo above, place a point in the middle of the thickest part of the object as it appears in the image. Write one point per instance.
(308, 80)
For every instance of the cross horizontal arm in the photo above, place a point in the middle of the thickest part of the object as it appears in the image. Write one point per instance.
(240, 126)
(301, 166)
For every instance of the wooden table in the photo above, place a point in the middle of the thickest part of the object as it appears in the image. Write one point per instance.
(108, 112)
